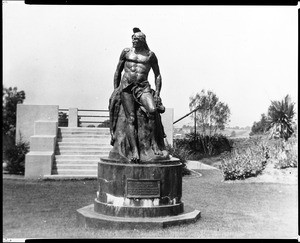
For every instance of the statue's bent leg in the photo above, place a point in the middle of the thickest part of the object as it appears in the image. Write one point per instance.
(147, 101)
(129, 110)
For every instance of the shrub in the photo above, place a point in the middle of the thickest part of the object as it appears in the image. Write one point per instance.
(284, 154)
(15, 156)
(241, 164)
(105, 123)
(248, 158)
(220, 144)
(182, 155)
(200, 146)
(63, 119)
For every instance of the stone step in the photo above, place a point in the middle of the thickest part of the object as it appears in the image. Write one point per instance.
(100, 140)
(63, 133)
(100, 148)
(84, 144)
(75, 172)
(58, 167)
(67, 177)
(83, 129)
(77, 157)
(64, 162)
(74, 152)
(78, 152)
(85, 132)
(92, 135)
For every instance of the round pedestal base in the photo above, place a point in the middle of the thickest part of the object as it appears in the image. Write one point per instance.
(138, 211)
(139, 190)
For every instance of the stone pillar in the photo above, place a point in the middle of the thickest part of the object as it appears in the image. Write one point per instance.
(73, 117)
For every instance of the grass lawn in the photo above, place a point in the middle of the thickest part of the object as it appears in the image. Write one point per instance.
(47, 209)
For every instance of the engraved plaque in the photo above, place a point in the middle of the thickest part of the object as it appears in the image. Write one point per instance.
(142, 188)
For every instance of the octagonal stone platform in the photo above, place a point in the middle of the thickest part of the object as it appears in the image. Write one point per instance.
(88, 218)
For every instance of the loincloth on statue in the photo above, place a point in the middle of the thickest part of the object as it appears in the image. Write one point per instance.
(137, 89)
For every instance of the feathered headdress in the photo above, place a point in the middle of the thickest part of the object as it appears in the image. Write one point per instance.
(136, 30)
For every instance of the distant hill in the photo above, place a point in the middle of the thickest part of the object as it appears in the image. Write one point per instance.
(239, 132)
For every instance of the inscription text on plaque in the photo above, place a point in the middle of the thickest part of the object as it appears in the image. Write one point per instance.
(142, 188)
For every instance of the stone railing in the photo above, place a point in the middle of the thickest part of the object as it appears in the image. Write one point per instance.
(74, 117)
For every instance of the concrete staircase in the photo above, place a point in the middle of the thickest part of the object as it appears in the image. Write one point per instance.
(78, 152)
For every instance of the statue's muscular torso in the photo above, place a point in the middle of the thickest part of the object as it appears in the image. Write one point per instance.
(136, 66)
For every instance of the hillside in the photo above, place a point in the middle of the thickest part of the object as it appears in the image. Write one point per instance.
(239, 133)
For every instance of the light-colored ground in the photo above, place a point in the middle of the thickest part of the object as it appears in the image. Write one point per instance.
(197, 165)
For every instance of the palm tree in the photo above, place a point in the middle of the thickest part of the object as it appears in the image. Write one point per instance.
(280, 116)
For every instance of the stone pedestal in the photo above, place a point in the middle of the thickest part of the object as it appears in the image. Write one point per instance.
(39, 161)
(138, 196)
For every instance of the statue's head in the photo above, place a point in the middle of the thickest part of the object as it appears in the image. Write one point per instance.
(139, 39)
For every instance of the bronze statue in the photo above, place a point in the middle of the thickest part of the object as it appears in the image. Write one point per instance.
(140, 133)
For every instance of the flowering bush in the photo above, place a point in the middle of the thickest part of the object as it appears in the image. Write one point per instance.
(284, 154)
(241, 164)
(250, 156)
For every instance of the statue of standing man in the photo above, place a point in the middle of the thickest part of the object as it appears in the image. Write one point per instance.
(136, 129)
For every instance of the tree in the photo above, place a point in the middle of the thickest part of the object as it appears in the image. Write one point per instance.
(280, 118)
(212, 113)
(233, 134)
(62, 119)
(261, 126)
(10, 98)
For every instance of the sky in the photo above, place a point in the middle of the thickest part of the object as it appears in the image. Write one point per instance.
(67, 55)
